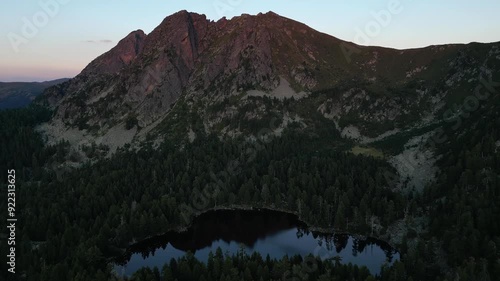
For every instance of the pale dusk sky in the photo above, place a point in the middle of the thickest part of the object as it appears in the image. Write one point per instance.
(50, 39)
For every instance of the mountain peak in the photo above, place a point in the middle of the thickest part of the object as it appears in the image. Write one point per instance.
(138, 32)
(190, 58)
(182, 16)
(120, 56)
(272, 14)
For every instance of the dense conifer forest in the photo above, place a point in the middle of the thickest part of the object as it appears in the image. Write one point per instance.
(75, 222)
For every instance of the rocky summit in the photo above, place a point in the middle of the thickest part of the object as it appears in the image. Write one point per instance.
(231, 77)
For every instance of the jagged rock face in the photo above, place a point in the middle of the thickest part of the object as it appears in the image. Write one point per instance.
(120, 56)
(219, 64)
(144, 75)
(91, 82)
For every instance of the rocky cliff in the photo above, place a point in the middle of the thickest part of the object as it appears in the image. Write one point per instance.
(232, 77)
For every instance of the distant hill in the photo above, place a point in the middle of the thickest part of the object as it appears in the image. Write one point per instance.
(20, 94)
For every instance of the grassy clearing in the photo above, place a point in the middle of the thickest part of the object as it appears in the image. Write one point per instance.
(367, 151)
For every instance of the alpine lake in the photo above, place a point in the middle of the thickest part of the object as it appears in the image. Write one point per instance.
(269, 233)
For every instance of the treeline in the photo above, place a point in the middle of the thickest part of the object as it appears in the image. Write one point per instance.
(246, 267)
(74, 223)
(465, 201)
(94, 212)
(20, 145)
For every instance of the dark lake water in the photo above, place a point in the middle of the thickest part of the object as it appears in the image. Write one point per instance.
(267, 232)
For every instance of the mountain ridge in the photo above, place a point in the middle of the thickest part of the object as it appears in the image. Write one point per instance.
(20, 94)
(216, 75)
(119, 56)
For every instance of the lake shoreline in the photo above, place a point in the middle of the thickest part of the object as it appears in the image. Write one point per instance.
(309, 227)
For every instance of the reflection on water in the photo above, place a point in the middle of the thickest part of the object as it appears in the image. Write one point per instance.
(267, 232)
